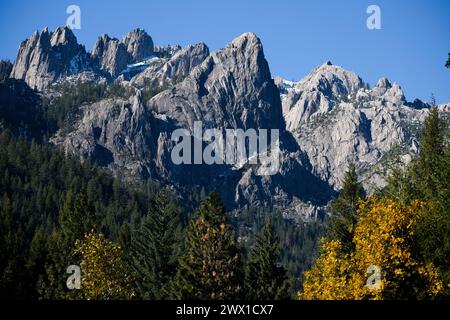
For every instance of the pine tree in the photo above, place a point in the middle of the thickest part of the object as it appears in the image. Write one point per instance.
(447, 64)
(265, 279)
(443, 195)
(52, 284)
(427, 170)
(210, 267)
(77, 217)
(11, 252)
(37, 258)
(344, 209)
(153, 248)
(431, 176)
(400, 186)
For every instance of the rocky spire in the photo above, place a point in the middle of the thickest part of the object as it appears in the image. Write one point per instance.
(318, 92)
(45, 57)
(176, 68)
(232, 88)
(63, 36)
(139, 44)
(390, 92)
(110, 54)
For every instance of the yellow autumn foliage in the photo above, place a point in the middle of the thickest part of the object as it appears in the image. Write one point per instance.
(383, 238)
(104, 274)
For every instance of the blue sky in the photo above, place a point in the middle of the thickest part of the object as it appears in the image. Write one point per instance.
(411, 48)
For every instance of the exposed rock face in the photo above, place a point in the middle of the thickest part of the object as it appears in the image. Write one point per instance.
(326, 120)
(32, 53)
(111, 55)
(49, 57)
(316, 93)
(336, 120)
(175, 69)
(53, 57)
(183, 61)
(232, 88)
(46, 57)
(166, 51)
(116, 133)
(139, 44)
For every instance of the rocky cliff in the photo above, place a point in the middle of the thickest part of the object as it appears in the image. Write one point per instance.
(111, 55)
(325, 121)
(337, 119)
(174, 69)
(139, 45)
(48, 56)
(232, 88)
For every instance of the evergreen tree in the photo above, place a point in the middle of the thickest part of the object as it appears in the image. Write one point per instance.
(76, 217)
(344, 209)
(124, 238)
(431, 176)
(11, 246)
(265, 279)
(400, 186)
(443, 194)
(52, 284)
(36, 260)
(210, 267)
(427, 171)
(153, 248)
(447, 64)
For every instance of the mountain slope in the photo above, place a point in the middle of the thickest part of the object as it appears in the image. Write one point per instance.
(337, 119)
(231, 88)
(47, 56)
(326, 120)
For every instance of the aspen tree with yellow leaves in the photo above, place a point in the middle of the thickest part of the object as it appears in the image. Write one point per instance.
(384, 237)
(104, 273)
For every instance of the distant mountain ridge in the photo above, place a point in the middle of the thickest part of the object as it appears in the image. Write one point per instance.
(326, 120)
(48, 57)
(336, 118)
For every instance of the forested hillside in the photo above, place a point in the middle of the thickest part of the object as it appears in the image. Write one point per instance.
(354, 204)
(50, 202)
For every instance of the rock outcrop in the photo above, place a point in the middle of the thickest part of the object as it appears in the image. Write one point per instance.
(139, 44)
(325, 121)
(166, 51)
(174, 69)
(115, 133)
(336, 120)
(232, 88)
(111, 55)
(317, 93)
(48, 56)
